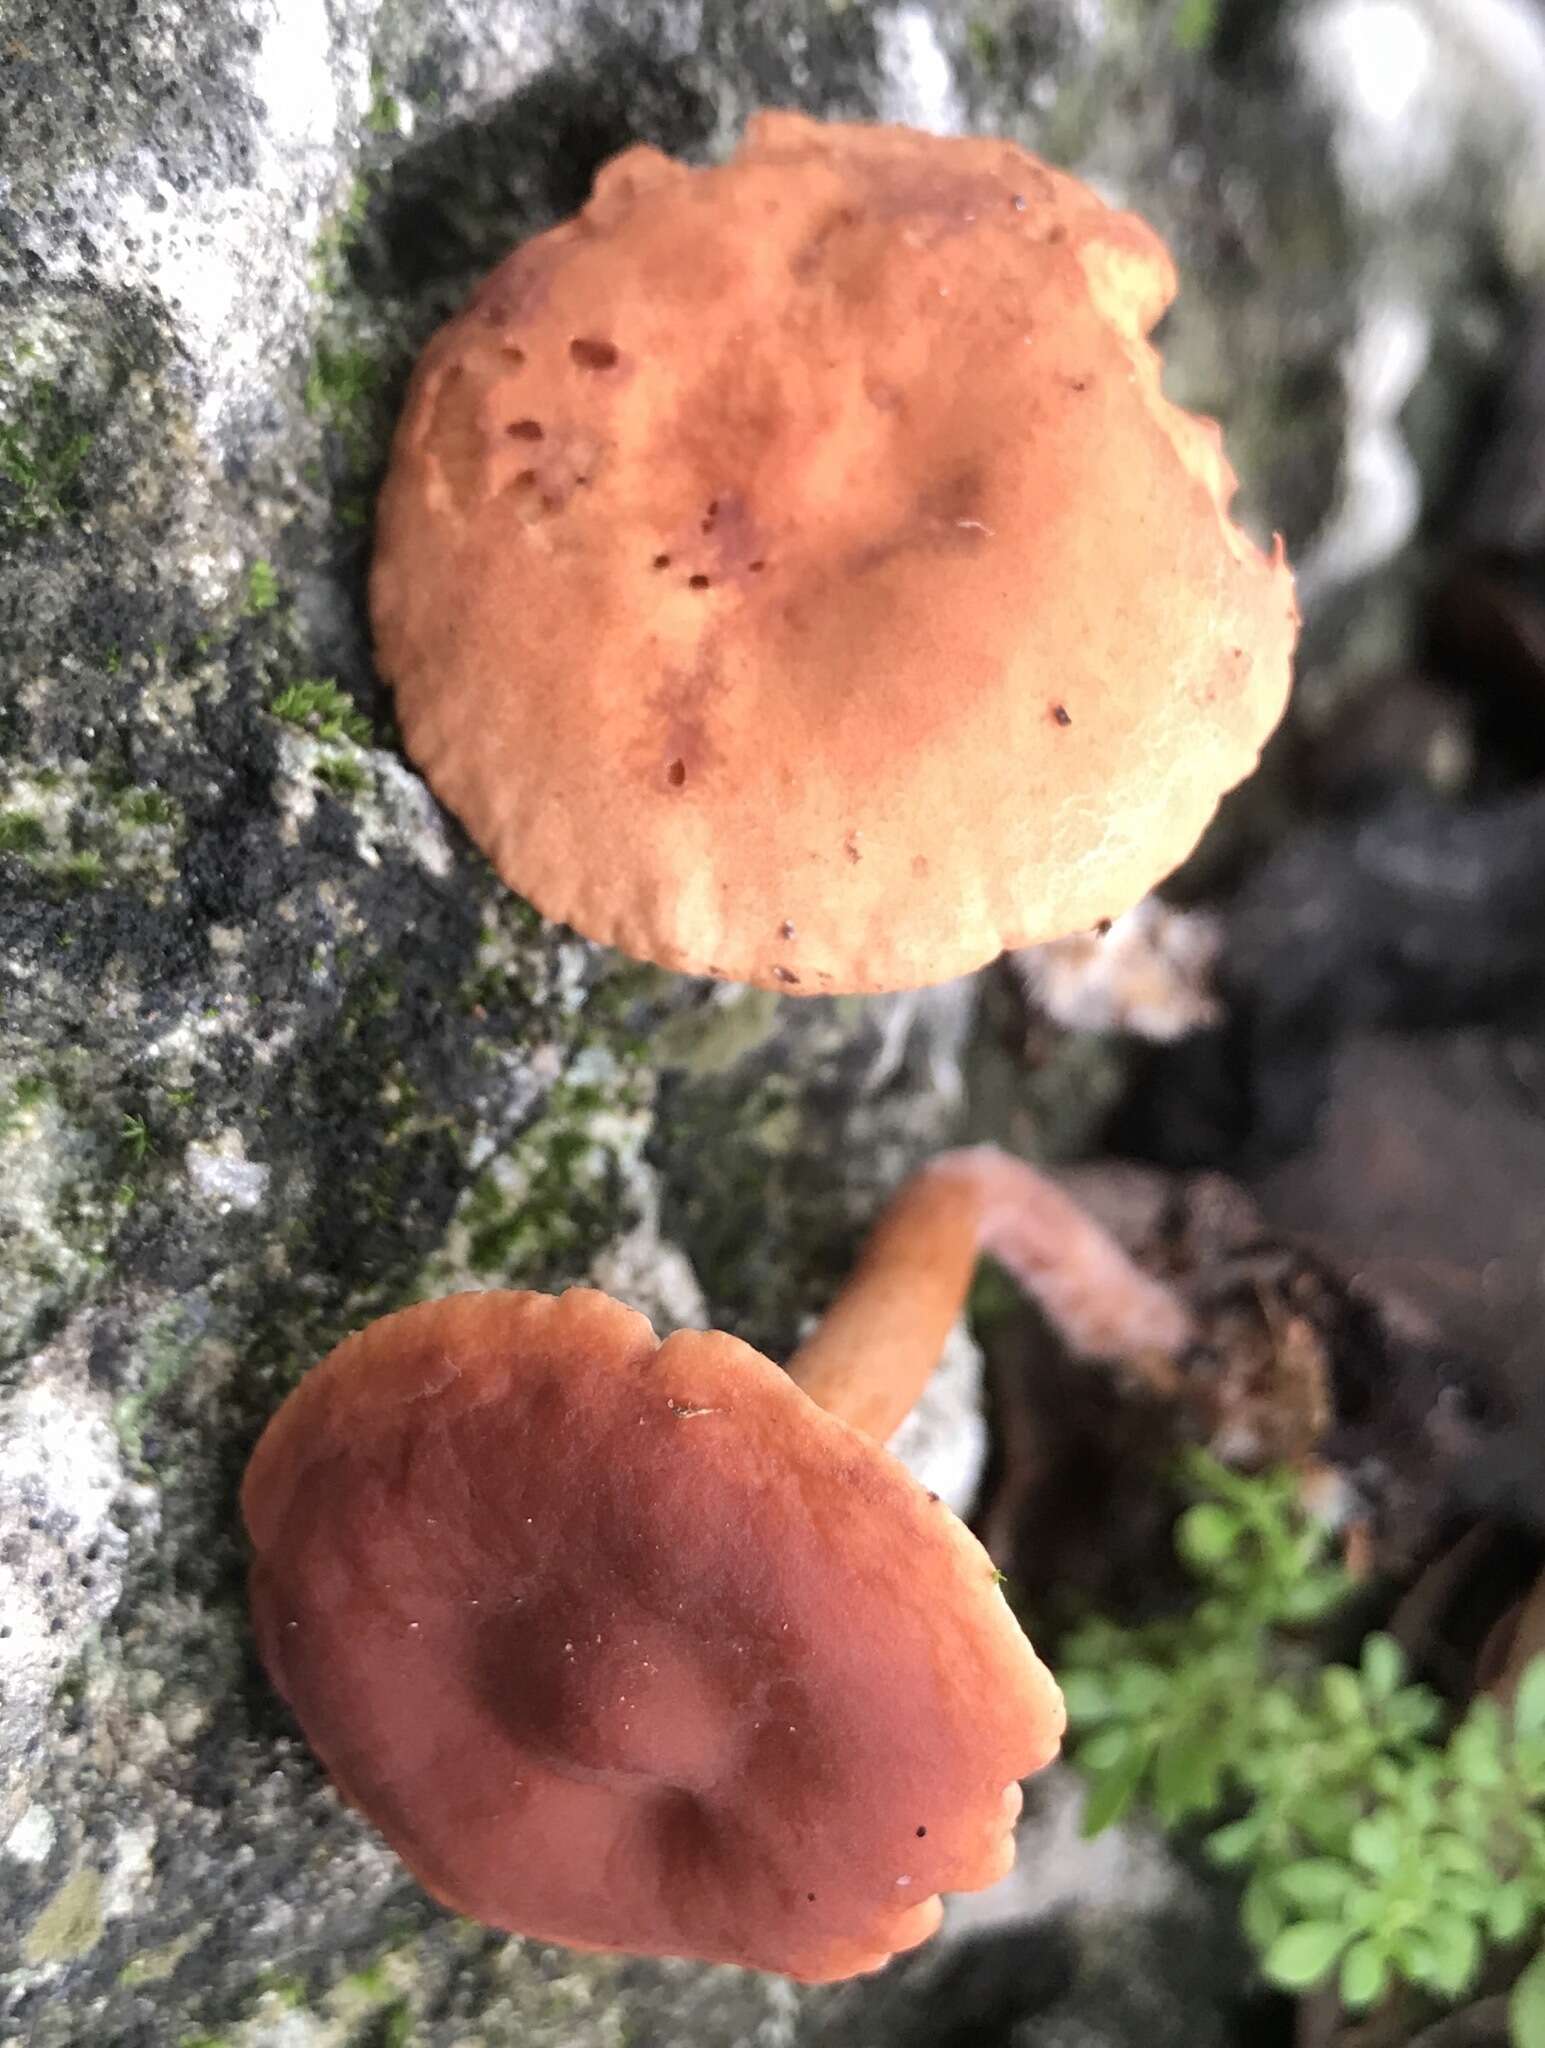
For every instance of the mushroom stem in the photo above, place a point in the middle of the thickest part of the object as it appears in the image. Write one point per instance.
(879, 1342)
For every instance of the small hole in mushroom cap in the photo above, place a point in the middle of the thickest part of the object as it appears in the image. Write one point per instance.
(676, 774)
(756, 568)
(1061, 713)
(524, 430)
(921, 1832)
(593, 355)
(697, 582)
(786, 975)
(516, 357)
(662, 561)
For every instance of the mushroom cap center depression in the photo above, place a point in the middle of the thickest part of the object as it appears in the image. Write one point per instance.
(630, 1646)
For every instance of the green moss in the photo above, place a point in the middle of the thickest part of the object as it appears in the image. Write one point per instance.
(286, 1990)
(318, 706)
(134, 1137)
(155, 1965)
(342, 383)
(986, 48)
(21, 832)
(716, 1036)
(146, 807)
(70, 1925)
(345, 778)
(561, 1192)
(1195, 25)
(262, 590)
(394, 2029)
(165, 1351)
(338, 238)
(84, 870)
(385, 116)
(40, 458)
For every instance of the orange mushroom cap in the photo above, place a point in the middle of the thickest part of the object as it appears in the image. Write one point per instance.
(628, 1645)
(792, 571)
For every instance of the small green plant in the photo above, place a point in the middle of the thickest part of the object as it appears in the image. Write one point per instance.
(21, 832)
(134, 1137)
(146, 807)
(385, 115)
(1377, 1850)
(262, 589)
(341, 774)
(86, 870)
(318, 706)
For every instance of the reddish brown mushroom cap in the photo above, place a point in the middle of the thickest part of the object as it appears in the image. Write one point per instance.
(628, 1645)
(791, 570)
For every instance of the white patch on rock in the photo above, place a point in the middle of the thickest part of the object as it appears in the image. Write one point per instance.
(61, 1553)
(919, 82)
(1421, 87)
(403, 813)
(223, 1174)
(129, 1873)
(32, 1838)
(1381, 494)
(1375, 60)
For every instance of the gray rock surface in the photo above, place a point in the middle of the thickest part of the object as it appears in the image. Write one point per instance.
(276, 1053)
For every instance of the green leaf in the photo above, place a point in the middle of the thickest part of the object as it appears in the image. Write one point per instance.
(1185, 1777)
(1456, 1952)
(1317, 1885)
(1233, 1845)
(1206, 1534)
(1261, 1914)
(1107, 1750)
(1510, 1911)
(1452, 1853)
(1364, 1975)
(1313, 1597)
(1139, 1688)
(1476, 1746)
(1087, 1696)
(1384, 1666)
(1529, 1703)
(1343, 1694)
(1303, 1956)
(1526, 2007)
(1375, 1843)
(1413, 1952)
(1111, 1793)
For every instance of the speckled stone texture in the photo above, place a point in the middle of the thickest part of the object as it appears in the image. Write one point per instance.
(277, 1053)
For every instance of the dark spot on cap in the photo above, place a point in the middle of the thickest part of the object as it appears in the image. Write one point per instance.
(1062, 714)
(593, 355)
